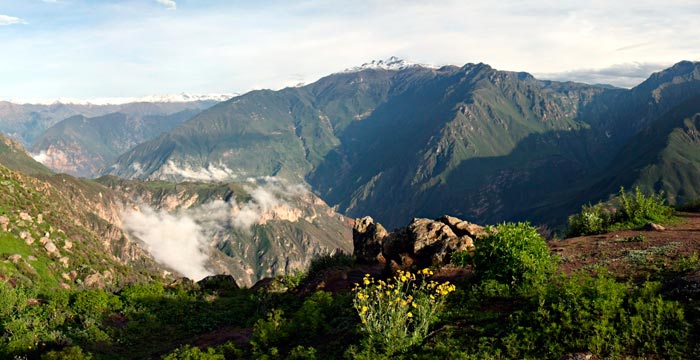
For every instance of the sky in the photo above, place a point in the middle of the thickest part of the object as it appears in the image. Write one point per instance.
(98, 48)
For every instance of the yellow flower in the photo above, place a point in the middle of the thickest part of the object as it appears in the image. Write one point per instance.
(409, 314)
(366, 281)
(364, 310)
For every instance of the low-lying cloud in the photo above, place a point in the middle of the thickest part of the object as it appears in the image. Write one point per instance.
(173, 239)
(210, 173)
(184, 238)
(41, 157)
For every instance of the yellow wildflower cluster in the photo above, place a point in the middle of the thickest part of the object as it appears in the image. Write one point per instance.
(397, 313)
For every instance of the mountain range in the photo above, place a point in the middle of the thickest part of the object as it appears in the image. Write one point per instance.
(408, 140)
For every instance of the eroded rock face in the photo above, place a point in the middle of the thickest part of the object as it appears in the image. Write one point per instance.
(424, 242)
(367, 239)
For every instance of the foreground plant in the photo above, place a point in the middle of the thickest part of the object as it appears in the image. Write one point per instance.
(396, 314)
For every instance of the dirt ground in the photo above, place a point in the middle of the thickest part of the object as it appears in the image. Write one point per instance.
(636, 253)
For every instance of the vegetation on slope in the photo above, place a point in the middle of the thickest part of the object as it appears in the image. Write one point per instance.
(482, 318)
(626, 211)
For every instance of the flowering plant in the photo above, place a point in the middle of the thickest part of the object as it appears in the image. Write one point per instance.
(396, 314)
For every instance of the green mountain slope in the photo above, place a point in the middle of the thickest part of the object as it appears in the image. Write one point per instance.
(82, 146)
(50, 238)
(15, 157)
(476, 142)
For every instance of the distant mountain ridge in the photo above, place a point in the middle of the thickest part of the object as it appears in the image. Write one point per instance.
(25, 122)
(400, 141)
(82, 146)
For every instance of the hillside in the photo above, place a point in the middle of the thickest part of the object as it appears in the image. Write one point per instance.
(47, 243)
(82, 146)
(248, 230)
(480, 143)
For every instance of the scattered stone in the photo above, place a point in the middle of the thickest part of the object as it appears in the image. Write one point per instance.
(32, 258)
(95, 280)
(64, 286)
(44, 240)
(24, 216)
(66, 276)
(64, 260)
(50, 247)
(4, 221)
(653, 227)
(40, 218)
(68, 245)
(23, 234)
(367, 238)
(73, 275)
(15, 258)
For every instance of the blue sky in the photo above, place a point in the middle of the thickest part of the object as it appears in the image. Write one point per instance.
(99, 48)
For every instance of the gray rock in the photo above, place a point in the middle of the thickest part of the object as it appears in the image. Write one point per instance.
(367, 240)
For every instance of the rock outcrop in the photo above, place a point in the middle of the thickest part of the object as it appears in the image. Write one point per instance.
(424, 242)
(367, 240)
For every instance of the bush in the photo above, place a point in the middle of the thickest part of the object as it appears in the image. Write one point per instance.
(638, 209)
(514, 254)
(599, 315)
(396, 314)
(633, 210)
(593, 219)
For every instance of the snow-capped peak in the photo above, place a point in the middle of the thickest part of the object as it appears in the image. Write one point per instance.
(392, 63)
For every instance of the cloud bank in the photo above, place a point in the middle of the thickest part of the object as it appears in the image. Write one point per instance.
(184, 238)
(173, 239)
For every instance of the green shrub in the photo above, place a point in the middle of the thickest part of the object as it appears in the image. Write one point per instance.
(69, 353)
(269, 333)
(514, 254)
(638, 209)
(189, 352)
(593, 219)
(600, 315)
(632, 210)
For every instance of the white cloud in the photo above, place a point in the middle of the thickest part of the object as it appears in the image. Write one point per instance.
(170, 4)
(42, 157)
(10, 20)
(210, 173)
(182, 239)
(276, 44)
(175, 240)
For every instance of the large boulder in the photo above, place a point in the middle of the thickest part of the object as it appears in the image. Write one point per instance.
(367, 239)
(424, 242)
(461, 227)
